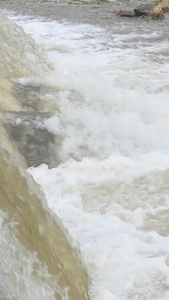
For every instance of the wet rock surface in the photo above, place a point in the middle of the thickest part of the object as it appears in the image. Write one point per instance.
(126, 13)
(33, 140)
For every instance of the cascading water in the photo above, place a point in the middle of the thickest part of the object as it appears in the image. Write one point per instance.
(108, 96)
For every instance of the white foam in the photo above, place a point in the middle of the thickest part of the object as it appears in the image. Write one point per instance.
(105, 213)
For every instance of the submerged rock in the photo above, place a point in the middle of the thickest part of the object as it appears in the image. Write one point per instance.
(31, 136)
(126, 13)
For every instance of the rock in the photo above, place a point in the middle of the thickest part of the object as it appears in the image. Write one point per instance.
(159, 16)
(126, 13)
(164, 5)
(33, 140)
(144, 10)
(157, 13)
(149, 10)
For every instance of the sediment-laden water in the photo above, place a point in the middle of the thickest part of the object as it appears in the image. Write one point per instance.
(101, 96)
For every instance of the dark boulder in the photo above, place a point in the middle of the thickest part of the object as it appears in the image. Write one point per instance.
(144, 10)
(30, 134)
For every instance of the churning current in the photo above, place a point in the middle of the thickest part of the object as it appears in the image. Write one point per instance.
(108, 92)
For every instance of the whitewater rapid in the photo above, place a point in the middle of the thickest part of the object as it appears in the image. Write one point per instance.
(109, 92)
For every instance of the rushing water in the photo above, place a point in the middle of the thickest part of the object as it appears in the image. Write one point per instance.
(107, 86)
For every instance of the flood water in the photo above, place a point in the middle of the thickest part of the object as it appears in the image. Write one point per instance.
(105, 82)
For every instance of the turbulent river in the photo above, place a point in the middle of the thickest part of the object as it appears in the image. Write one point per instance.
(91, 91)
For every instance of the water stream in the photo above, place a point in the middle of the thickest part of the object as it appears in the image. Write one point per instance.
(103, 82)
